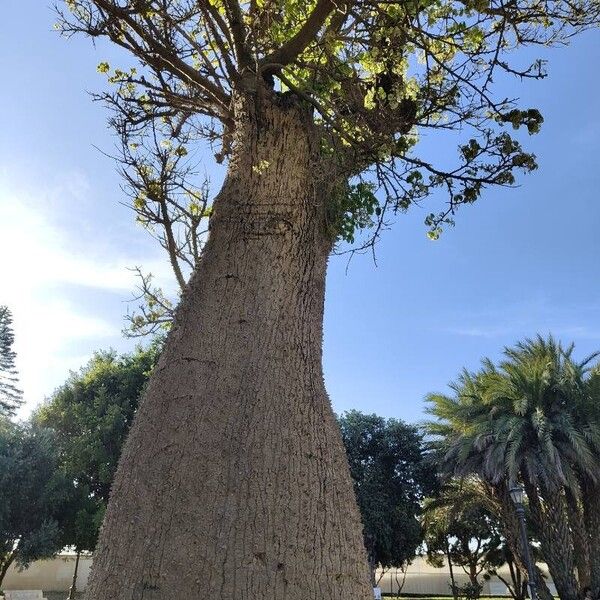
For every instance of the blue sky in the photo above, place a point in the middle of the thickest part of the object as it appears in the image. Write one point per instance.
(519, 261)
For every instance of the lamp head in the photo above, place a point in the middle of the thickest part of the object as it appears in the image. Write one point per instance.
(517, 493)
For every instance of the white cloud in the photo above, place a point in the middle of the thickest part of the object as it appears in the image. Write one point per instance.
(519, 319)
(40, 262)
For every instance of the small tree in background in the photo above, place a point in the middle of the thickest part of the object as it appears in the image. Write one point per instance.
(11, 397)
(33, 492)
(80, 522)
(461, 527)
(91, 415)
(390, 477)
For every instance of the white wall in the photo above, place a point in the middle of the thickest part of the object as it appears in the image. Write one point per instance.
(55, 575)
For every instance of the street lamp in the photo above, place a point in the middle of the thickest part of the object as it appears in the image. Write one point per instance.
(517, 493)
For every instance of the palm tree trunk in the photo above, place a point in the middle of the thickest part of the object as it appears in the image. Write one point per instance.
(234, 483)
(591, 512)
(581, 540)
(511, 531)
(551, 522)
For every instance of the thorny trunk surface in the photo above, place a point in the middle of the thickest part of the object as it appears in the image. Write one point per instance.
(234, 484)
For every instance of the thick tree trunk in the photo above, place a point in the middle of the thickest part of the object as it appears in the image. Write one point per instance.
(511, 531)
(234, 483)
(591, 512)
(555, 536)
(581, 542)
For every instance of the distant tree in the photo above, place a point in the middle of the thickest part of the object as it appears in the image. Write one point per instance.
(32, 495)
(391, 478)
(10, 395)
(80, 521)
(461, 527)
(91, 415)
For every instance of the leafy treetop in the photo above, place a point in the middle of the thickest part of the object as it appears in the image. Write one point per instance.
(91, 415)
(391, 478)
(375, 72)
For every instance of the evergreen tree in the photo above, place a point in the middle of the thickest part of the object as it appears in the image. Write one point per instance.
(33, 493)
(391, 478)
(11, 397)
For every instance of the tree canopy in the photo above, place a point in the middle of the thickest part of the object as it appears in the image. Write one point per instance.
(33, 492)
(376, 74)
(391, 477)
(91, 415)
(461, 528)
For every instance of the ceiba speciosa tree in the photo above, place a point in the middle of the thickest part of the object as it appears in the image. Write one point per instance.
(233, 483)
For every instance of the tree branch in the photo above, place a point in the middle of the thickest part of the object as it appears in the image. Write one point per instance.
(295, 46)
(165, 58)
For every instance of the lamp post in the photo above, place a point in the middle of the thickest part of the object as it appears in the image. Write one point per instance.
(517, 493)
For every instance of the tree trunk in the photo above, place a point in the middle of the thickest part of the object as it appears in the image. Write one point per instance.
(5, 563)
(511, 530)
(234, 483)
(555, 536)
(516, 581)
(73, 588)
(372, 571)
(451, 569)
(591, 512)
(581, 542)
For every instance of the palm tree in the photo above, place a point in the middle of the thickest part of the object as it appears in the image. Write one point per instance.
(517, 421)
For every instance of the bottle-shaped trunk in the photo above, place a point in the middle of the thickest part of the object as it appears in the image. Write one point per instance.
(234, 483)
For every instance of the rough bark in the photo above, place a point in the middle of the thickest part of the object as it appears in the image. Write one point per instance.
(550, 517)
(511, 531)
(234, 483)
(581, 541)
(591, 512)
